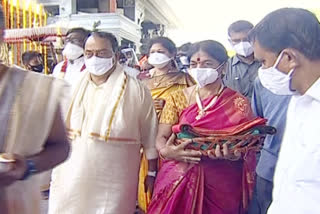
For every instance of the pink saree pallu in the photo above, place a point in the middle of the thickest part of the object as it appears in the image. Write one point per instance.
(212, 186)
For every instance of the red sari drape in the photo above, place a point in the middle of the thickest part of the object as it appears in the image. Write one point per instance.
(213, 186)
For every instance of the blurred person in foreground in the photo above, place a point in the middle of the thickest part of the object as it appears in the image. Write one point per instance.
(32, 135)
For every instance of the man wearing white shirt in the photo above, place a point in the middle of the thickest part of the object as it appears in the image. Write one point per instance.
(287, 43)
(70, 69)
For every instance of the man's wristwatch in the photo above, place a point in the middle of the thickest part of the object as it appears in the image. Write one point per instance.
(31, 169)
(152, 173)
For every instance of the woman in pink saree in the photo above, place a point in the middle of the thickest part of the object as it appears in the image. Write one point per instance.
(189, 183)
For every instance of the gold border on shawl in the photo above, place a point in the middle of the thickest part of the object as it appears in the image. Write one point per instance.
(74, 132)
(71, 134)
(101, 137)
(115, 108)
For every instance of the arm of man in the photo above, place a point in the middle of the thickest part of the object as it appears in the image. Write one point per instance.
(55, 151)
(149, 128)
(256, 102)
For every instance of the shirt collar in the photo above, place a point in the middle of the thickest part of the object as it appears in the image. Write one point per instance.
(237, 60)
(78, 61)
(314, 90)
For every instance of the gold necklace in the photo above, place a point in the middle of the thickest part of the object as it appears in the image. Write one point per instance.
(158, 78)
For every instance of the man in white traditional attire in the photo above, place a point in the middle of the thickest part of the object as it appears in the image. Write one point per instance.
(71, 68)
(111, 116)
(32, 134)
(287, 42)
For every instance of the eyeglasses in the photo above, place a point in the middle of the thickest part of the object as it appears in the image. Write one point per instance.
(99, 53)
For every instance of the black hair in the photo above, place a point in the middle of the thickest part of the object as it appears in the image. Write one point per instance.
(108, 36)
(80, 30)
(289, 28)
(29, 55)
(213, 48)
(165, 42)
(185, 47)
(240, 26)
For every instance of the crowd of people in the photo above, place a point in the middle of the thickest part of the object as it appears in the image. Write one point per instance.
(114, 136)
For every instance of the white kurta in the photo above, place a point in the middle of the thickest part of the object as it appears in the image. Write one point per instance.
(109, 123)
(297, 176)
(73, 71)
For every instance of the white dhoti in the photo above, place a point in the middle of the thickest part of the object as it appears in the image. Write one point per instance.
(108, 125)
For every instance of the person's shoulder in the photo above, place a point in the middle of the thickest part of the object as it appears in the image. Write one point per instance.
(134, 82)
(232, 59)
(33, 78)
(257, 85)
(59, 65)
(234, 94)
(17, 70)
(57, 68)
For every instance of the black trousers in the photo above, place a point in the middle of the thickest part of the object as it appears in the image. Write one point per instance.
(262, 196)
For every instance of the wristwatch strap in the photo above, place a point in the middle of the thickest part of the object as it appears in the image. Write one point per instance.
(152, 173)
(31, 169)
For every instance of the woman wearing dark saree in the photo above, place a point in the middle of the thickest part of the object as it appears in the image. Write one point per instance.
(189, 183)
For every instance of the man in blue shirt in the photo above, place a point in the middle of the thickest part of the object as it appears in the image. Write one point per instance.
(274, 108)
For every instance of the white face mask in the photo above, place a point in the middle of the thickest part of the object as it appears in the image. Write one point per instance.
(158, 60)
(204, 76)
(243, 49)
(98, 66)
(184, 60)
(276, 81)
(72, 51)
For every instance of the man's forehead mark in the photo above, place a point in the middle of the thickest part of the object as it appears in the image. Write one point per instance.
(198, 59)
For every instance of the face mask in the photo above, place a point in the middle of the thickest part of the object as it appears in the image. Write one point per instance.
(276, 81)
(158, 60)
(98, 66)
(243, 49)
(37, 68)
(72, 51)
(204, 76)
(184, 60)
